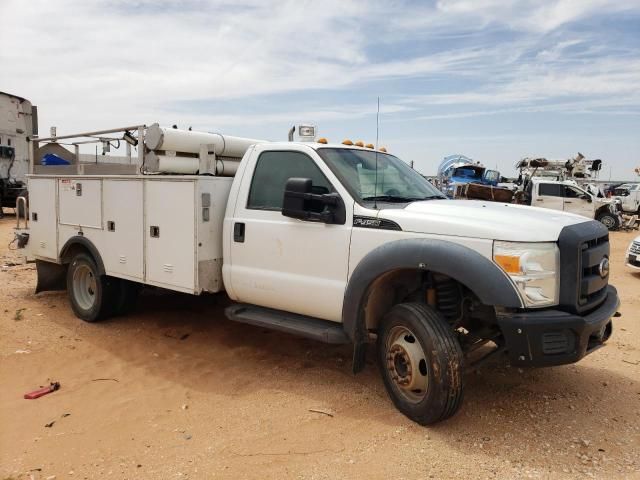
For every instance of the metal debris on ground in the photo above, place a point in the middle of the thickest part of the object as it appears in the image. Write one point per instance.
(42, 391)
(324, 412)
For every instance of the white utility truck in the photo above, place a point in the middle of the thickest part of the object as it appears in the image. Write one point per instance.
(334, 242)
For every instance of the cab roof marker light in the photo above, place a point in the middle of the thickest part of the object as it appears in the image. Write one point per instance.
(323, 140)
(383, 149)
(346, 141)
(369, 145)
(359, 143)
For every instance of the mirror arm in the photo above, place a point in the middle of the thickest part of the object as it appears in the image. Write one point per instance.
(326, 217)
(327, 199)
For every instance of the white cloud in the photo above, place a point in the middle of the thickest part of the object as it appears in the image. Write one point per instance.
(96, 64)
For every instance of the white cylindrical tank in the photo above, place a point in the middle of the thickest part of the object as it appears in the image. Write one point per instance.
(180, 165)
(176, 140)
(225, 167)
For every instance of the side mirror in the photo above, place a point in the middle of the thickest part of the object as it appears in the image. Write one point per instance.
(587, 198)
(299, 202)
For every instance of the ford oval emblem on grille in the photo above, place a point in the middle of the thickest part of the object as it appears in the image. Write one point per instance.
(603, 268)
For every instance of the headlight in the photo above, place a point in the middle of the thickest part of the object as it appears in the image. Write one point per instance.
(533, 267)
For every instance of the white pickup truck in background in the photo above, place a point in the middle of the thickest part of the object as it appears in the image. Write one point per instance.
(335, 242)
(566, 196)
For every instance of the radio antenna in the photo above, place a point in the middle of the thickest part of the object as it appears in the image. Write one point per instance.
(375, 186)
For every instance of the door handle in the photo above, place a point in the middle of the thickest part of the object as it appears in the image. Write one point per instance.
(539, 199)
(238, 232)
(567, 201)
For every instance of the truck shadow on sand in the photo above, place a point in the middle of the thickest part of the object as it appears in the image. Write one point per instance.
(188, 342)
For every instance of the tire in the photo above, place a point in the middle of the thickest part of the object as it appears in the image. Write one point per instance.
(126, 296)
(92, 295)
(435, 393)
(609, 220)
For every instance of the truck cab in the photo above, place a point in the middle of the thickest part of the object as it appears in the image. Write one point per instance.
(334, 242)
(18, 121)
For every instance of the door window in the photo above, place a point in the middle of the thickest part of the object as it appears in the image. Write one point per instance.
(492, 176)
(571, 192)
(272, 171)
(550, 189)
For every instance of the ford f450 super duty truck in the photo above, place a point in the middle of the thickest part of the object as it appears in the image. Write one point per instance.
(334, 242)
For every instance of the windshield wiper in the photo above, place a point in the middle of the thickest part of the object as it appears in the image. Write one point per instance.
(397, 198)
(430, 197)
(389, 198)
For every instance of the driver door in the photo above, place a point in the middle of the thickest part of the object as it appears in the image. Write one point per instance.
(577, 201)
(284, 263)
(549, 196)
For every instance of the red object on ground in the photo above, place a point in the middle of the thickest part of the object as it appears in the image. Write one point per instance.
(43, 391)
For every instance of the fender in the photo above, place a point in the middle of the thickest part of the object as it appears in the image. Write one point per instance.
(479, 274)
(87, 244)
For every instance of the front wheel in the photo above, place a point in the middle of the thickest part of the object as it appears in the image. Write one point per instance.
(421, 363)
(91, 294)
(609, 220)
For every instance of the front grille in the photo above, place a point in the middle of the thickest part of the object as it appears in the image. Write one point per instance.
(635, 248)
(582, 250)
(593, 286)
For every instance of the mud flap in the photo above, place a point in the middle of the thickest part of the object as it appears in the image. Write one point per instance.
(359, 356)
(51, 276)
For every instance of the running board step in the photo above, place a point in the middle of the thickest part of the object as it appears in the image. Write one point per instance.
(307, 327)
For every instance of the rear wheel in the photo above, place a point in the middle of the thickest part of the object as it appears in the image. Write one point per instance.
(91, 294)
(609, 220)
(421, 362)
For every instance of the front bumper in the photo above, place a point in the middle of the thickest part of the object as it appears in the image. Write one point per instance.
(633, 261)
(553, 337)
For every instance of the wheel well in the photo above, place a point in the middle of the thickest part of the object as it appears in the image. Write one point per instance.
(71, 251)
(81, 244)
(451, 298)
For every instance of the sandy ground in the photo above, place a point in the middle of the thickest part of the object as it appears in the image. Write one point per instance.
(177, 391)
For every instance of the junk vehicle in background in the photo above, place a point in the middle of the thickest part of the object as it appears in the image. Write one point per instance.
(340, 243)
(567, 196)
(629, 196)
(18, 122)
(557, 185)
(571, 182)
(458, 171)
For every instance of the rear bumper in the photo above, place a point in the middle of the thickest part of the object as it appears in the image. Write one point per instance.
(554, 337)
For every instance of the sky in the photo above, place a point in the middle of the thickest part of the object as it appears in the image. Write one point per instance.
(495, 80)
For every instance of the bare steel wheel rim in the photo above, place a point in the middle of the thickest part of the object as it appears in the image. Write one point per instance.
(407, 364)
(608, 221)
(84, 287)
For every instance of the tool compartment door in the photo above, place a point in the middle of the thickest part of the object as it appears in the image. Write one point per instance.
(80, 202)
(123, 229)
(43, 220)
(170, 234)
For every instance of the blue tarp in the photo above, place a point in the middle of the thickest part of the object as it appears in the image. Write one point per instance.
(52, 159)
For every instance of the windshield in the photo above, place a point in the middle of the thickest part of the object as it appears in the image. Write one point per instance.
(392, 181)
(467, 172)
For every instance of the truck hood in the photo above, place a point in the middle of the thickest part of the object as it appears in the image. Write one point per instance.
(480, 219)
